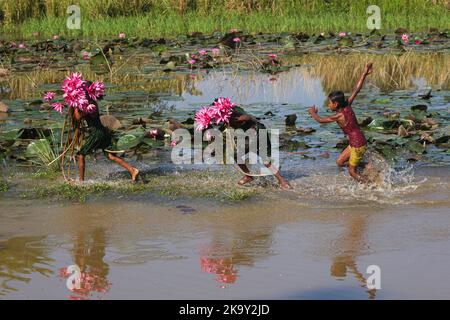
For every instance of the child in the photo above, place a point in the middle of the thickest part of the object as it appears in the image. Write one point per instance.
(239, 119)
(346, 119)
(99, 137)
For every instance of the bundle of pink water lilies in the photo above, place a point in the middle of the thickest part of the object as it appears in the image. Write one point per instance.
(77, 94)
(219, 112)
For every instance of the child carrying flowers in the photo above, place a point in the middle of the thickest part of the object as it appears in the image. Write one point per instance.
(82, 98)
(224, 112)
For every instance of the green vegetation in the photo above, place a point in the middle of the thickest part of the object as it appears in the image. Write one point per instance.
(161, 18)
(212, 185)
(3, 186)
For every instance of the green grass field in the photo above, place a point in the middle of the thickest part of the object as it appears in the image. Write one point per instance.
(163, 18)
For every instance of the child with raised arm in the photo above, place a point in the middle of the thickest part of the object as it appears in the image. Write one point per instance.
(346, 119)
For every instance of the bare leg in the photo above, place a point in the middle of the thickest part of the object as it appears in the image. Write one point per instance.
(355, 175)
(132, 170)
(283, 183)
(81, 165)
(343, 158)
(245, 179)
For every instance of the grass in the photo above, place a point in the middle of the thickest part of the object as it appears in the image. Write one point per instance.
(211, 185)
(147, 18)
(3, 186)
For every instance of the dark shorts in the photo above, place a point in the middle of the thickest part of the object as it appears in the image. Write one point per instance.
(97, 139)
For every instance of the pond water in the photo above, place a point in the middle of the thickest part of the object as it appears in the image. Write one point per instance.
(315, 241)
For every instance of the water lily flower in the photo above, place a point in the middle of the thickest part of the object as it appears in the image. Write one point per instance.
(122, 35)
(405, 38)
(58, 107)
(22, 46)
(215, 51)
(192, 62)
(202, 52)
(49, 96)
(86, 55)
(418, 41)
(221, 110)
(322, 34)
(173, 143)
(342, 34)
(74, 91)
(96, 90)
(90, 108)
(203, 117)
(237, 40)
(273, 56)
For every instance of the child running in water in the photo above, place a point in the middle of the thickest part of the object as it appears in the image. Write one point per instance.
(99, 137)
(346, 119)
(225, 114)
(239, 119)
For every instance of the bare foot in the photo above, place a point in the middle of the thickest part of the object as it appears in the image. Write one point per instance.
(245, 180)
(285, 185)
(134, 174)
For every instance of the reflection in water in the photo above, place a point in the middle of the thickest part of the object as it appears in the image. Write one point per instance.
(347, 248)
(223, 258)
(20, 258)
(88, 255)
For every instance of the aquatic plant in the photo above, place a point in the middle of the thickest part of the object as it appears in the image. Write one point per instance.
(219, 112)
(203, 117)
(3, 186)
(44, 151)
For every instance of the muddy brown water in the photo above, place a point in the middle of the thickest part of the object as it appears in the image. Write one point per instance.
(296, 245)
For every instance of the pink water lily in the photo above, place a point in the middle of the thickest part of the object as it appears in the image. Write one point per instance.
(405, 38)
(96, 90)
(58, 107)
(173, 143)
(73, 88)
(86, 55)
(192, 62)
(418, 41)
(49, 96)
(203, 117)
(122, 35)
(22, 46)
(202, 52)
(215, 51)
(237, 40)
(221, 110)
(90, 108)
(342, 34)
(273, 56)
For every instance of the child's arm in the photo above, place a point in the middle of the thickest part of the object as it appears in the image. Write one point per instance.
(367, 70)
(313, 112)
(77, 115)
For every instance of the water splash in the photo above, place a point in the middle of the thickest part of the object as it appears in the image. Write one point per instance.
(388, 183)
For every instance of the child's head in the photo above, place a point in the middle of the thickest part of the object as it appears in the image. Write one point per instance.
(336, 100)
